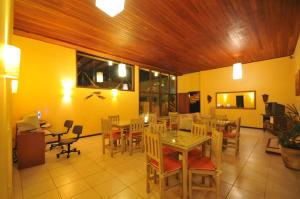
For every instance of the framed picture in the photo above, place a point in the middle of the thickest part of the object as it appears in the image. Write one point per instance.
(297, 86)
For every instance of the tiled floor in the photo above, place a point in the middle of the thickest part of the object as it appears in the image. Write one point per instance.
(253, 174)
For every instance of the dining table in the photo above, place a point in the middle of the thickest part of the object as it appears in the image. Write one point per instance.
(124, 126)
(183, 142)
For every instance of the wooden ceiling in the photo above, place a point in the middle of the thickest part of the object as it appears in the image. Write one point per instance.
(181, 36)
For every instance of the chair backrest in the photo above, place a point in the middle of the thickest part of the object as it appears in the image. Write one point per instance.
(152, 118)
(216, 147)
(136, 125)
(114, 119)
(106, 127)
(199, 129)
(174, 121)
(159, 128)
(77, 129)
(212, 124)
(153, 148)
(238, 127)
(68, 125)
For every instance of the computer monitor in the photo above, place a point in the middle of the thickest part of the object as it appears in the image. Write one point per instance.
(29, 122)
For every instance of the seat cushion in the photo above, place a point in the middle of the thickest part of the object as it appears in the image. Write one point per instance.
(114, 135)
(169, 164)
(168, 151)
(195, 152)
(203, 163)
(67, 141)
(231, 134)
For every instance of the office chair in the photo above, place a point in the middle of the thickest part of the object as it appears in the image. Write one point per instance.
(68, 125)
(77, 130)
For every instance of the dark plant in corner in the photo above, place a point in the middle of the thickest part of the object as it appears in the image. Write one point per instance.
(288, 138)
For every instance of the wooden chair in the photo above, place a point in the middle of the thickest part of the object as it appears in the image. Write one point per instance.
(198, 130)
(221, 117)
(152, 118)
(163, 166)
(112, 137)
(232, 136)
(174, 121)
(115, 119)
(136, 134)
(208, 167)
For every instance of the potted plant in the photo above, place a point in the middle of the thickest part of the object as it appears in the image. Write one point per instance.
(290, 139)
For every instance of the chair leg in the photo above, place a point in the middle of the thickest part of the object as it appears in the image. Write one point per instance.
(130, 145)
(147, 180)
(190, 184)
(218, 181)
(103, 146)
(162, 187)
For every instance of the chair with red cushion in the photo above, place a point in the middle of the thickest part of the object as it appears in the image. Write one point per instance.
(161, 129)
(113, 137)
(207, 167)
(136, 134)
(232, 136)
(115, 119)
(163, 166)
(198, 130)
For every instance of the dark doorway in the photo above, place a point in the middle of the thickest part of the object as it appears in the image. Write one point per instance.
(194, 101)
(239, 101)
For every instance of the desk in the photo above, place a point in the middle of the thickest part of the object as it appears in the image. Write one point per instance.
(183, 142)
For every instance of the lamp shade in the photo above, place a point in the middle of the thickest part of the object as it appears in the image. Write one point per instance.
(122, 70)
(125, 87)
(237, 72)
(111, 7)
(11, 59)
(99, 77)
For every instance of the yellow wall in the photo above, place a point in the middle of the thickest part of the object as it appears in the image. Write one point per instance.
(189, 82)
(297, 67)
(274, 77)
(44, 67)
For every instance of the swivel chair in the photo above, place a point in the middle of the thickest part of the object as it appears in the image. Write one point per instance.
(77, 130)
(68, 125)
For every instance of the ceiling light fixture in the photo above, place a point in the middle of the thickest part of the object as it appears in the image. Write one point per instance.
(237, 72)
(111, 7)
(122, 70)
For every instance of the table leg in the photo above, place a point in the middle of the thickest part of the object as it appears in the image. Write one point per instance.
(185, 174)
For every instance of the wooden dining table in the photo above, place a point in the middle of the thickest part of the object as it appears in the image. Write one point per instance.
(183, 142)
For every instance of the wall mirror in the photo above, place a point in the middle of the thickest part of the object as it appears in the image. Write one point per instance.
(236, 100)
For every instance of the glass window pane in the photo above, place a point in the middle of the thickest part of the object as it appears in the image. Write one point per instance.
(144, 103)
(155, 81)
(164, 83)
(144, 81)
(96, 72)
(173, 80)
(164, 105)
(155, 104)
(172, 103)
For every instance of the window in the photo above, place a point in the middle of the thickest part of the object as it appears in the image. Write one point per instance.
(157, 92)
(96, 72)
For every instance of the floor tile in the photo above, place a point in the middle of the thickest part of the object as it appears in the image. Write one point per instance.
(72, 189)
(109, 188)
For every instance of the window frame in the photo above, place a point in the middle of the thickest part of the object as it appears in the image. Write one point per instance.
(160, 93)
(95, 57)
